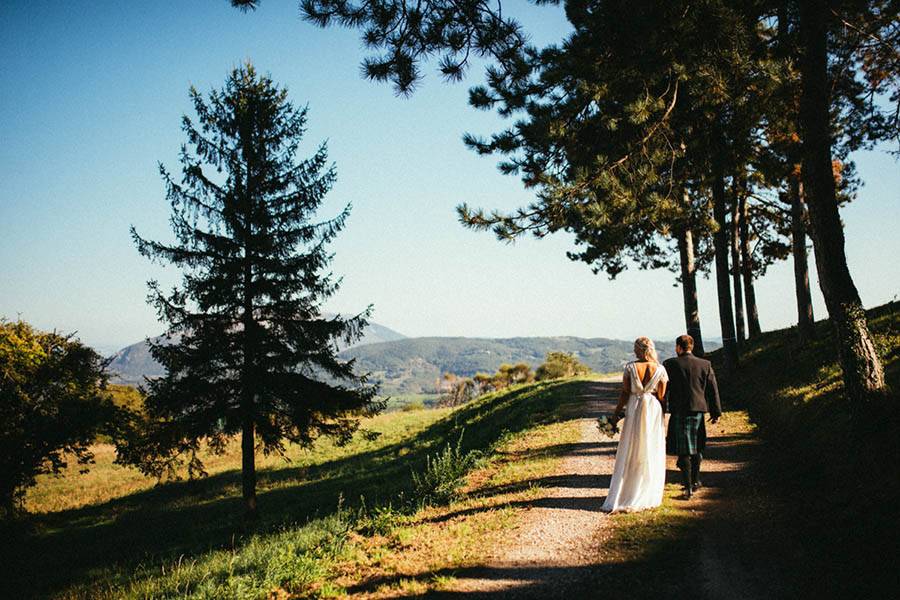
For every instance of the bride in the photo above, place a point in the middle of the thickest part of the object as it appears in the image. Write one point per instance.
(640, 472)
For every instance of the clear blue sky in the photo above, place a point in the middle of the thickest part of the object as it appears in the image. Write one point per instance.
(90, 99)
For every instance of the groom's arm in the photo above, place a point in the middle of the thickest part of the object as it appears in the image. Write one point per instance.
(668, 366)
(712, 395)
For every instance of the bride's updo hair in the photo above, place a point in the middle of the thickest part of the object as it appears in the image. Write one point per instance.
(644, 349)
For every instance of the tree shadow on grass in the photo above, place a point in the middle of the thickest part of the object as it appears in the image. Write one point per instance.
(186, 519)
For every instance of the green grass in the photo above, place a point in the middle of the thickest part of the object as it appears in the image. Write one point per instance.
(832, 464)
(111, 533)
(411, 402)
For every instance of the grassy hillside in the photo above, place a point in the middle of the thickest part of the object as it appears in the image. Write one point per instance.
(832, 464)
(111, 533)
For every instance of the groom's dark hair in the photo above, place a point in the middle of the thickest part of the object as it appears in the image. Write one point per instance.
(685, 342)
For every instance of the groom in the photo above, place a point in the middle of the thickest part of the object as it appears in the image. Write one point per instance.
(692, 392)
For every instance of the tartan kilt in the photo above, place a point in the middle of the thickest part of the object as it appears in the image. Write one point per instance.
(686, 434)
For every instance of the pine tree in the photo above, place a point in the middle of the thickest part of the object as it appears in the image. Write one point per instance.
(861, 365)
(858, 37)
(247, 350)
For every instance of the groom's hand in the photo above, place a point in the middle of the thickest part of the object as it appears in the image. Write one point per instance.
(714, 420)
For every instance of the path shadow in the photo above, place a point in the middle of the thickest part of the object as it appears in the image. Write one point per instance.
(550, 481)
(597, 580)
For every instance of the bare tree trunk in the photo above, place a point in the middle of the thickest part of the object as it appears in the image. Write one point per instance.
(805, 319)
(248, 428)
(248, 469)
(689, 288)
(720, 243)
(736, 273)
(747, 271)
(863, 373)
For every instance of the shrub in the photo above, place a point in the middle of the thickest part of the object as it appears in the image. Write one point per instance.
(461, 391)
(444, 473)
(413, 405)
(53, 405)
(561, 365)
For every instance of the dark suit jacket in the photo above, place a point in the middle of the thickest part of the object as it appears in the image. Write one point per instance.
(692, 385)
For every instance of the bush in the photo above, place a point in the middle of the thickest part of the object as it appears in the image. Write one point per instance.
(413, 406)
(53, 405)
(444, 474)
(461, 391)
(561, 365)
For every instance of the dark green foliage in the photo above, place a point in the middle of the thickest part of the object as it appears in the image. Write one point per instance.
(53, 404)
(560, 365)
(403, 34)
(444, 473)
(247, 349)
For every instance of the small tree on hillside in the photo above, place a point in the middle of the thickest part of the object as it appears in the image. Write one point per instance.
(461, 390)
(53, 404)
(251, 352)
(560, 365)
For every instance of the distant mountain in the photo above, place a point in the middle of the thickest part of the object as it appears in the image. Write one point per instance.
(414, 365)
(131, 364)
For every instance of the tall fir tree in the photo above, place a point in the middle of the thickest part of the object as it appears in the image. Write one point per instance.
(247, 350)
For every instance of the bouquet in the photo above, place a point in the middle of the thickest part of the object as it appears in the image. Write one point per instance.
(608, 426)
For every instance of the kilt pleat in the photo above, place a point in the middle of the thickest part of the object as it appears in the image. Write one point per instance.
(686, 434)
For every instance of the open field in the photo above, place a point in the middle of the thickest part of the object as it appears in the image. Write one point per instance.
(111, 533)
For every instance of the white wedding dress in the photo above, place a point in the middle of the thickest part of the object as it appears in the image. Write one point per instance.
(640, 472)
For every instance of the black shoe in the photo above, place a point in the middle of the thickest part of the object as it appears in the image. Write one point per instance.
(687, 494)
(696, 486)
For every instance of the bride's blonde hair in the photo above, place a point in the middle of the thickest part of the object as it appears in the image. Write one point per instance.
(644, 349)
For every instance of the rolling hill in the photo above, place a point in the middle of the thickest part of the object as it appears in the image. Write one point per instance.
(131, 364)
(405, 366)
(414, 365)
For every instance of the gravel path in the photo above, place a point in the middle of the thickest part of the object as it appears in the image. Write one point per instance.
(559, 538)
(557, 550)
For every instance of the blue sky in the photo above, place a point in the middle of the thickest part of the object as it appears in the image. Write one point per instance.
(90, 99)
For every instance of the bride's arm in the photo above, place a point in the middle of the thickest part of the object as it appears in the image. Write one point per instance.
(623, 395)
(660, 393)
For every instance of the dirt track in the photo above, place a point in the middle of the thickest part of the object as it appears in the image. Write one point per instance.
(557, 550)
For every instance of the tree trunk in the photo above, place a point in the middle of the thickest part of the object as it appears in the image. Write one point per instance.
(736, 269)
(248, 398)
(747, 271)
(689, 288)
(720, 242)
(863, 374)
(805, 320)
(248, 469)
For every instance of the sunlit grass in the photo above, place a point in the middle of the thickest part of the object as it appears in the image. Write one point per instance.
(106, 480)
(113, 533)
